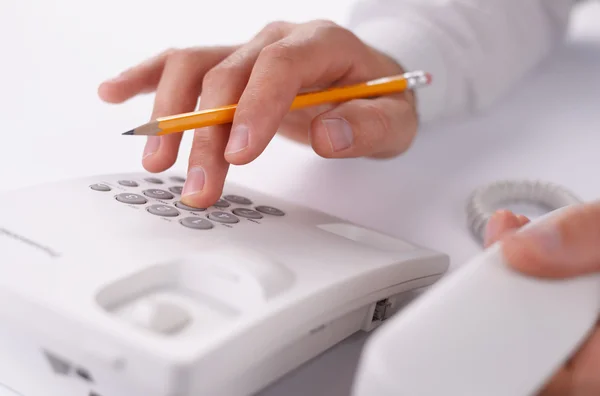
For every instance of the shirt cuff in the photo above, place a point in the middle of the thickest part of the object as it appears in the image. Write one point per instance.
(413, 47)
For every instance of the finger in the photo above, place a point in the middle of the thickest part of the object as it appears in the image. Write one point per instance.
(585, 365)
(499, 224)
(568, 245)
(579, 376)
(177, 92)
(222, 85)
(381, 128)
(559, 385)
(522, 220)
(139, 79)
(315, 54)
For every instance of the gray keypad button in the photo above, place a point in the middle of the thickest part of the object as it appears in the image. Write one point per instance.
(223, 217)
(129, 198)
(163, 210)
(248, 213)
(186, 207)
(128, 183)
(100, 187)
(178, 179)
(154, 180)
(270, 210)
(176, 190)
(197, 223)
(237, 199)
(221, 203)
(158, 194)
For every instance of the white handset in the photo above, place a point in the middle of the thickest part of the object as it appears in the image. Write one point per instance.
(484, 330)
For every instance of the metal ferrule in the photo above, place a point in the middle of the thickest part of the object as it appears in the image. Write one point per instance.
(416, 79)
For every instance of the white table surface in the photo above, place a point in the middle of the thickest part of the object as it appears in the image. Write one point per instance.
(54, 54)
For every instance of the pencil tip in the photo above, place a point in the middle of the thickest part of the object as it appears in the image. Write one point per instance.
(128, 132)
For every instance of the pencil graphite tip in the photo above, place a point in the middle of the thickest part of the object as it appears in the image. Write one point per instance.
(128, 132)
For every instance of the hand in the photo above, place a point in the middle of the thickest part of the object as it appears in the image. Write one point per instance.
(263, 76)
(564, 247)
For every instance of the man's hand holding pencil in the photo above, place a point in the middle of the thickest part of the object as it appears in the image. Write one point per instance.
(252, 91)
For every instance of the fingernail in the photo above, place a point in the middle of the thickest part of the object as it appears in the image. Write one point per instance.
(492, 228)
(339, 133)
(152, 145)
(194, 182)
(544, 235)
(238, 139)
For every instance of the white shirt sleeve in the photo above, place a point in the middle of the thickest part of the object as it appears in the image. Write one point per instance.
(476, 50)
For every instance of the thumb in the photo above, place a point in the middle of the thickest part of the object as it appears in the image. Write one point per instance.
(564, 246)
(382, 127)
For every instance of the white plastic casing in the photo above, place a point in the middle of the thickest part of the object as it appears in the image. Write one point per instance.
(485, 329)
(242, 304)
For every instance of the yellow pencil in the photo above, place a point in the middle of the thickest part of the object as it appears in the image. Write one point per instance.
(224, 115)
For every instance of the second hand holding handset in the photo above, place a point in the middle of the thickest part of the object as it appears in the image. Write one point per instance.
(485, 329)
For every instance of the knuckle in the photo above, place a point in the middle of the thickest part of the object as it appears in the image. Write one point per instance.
(182, 55)
(230, 69)
(406, 126)
(170, 51)
(276, 28)
(280, 53)
(207, 144)
(326, 28)
(202, 151)
(396, 130)
(201, 145)
(216, 76)
(234, 63)
(380, 119)
(323, 24)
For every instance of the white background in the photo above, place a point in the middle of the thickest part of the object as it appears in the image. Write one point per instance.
(55, 53)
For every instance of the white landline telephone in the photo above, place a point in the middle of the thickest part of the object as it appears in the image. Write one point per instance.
(122, 288)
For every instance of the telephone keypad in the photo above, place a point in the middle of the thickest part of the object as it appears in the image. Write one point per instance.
(193, 220)
(223, 217)
(270, 210)
(236, 199)
(176, 189)
(100, 187)
(248, 213)
(128, 183)
(197, 223)
(130, 198)
(221, 203)
(163, 210)
(158, 194)
(183, 206)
